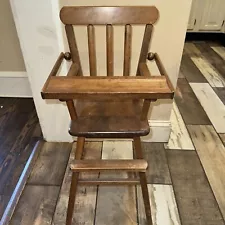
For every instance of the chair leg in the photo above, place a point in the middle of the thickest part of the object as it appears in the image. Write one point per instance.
(74, 182)
(143, 181)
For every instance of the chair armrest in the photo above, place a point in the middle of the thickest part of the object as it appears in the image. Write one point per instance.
(144, 71)
(57, 65)
(116, 87)
(55, 68)
(72, 71)
(162, 71)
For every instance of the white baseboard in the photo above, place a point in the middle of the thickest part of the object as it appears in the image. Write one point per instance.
(159, 131)
(13, 74)
(14, 86)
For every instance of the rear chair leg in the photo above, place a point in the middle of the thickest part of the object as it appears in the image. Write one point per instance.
(74, 182)
(143, 181)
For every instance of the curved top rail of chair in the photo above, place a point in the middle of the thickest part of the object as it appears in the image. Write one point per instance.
(102, 15)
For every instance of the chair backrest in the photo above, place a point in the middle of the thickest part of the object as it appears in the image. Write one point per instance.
(109, 16)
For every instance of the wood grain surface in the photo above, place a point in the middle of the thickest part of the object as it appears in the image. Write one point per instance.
(179, 137)
(109, 49)
(84, 212)
(163, 205)
(221, 93)
(189, 106)
(36, 205)
(18, 122)
(194, 196)
(107, 88)
(212, 155)
(158, 171)
(16, 159)
(191, 49)
(220, 50)
(121, 200)
(127, 49)
(50, 167)
(145, 46)
(222, 137)
(103, 15)
(213, 58)
(92, 50)
(190, 71)
(181, 74)
(209, 72)
(73, 47)
(211, 103)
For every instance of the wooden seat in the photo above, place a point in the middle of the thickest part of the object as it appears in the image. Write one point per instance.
(109, 119)
(108, 106)
(109, 127)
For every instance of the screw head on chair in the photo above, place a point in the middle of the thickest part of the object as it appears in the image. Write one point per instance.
(67, 56)
(151, 56)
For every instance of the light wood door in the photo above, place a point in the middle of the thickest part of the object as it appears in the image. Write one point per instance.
(193, 15)
(213, 15)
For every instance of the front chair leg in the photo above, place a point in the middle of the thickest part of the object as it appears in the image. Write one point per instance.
(74, 182)
(143, 181)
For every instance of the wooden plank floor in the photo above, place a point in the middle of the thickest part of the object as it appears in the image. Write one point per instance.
(19, 128)
(195, 199)
(212, 105)
(212, 155)
(187, 103)
(121, 200)
(84, 212)
(185, 176)
(179, 137)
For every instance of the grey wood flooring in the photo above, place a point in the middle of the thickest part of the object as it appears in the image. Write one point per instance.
(185, 176)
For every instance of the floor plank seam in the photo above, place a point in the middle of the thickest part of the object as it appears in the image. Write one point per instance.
(198, 100)
(61, 186)
(136, 202)
(211, 188)
(205, 109)
(186, 129)
(173, 186)
(22, 181)
(221, 139)
(43, 185)
(97, 192)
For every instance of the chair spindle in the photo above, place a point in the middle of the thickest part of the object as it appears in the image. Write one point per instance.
(109, 48)
(73, 47)
(145, 46)
(127, 50)
(92, 50)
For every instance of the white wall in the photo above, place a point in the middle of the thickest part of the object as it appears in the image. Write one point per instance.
(13, 76)
(11, 58)
(40, 45)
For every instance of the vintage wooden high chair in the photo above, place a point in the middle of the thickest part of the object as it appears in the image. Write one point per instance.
(108, 106)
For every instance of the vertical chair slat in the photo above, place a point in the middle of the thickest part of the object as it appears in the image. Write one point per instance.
(145, 46)
(73, 47)
(127, 50)
(109, 48)
(92, 50)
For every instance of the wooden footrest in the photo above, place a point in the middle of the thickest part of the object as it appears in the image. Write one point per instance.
(125, 181)
(100, 165)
